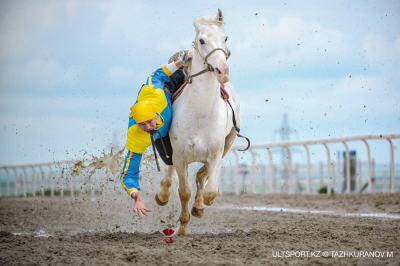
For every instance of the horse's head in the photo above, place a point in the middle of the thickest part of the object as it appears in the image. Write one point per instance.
(210, 42)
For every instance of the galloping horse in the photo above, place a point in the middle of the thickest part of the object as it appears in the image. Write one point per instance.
(202, 128)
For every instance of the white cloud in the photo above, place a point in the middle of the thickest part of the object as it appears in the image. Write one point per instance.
(126, 19)
(290, 41)
(349, 100)
(38, 139)
(118, 74)
(72, 6)
(148, 34)
(383, 54)
(95, 107)
(22, 28)
(40, 74)
(43, 128)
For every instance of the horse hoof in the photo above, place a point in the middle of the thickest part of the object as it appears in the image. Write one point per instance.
(209, 197)
(182, 232)
(208, 203)
(196, 212)
(160, 203)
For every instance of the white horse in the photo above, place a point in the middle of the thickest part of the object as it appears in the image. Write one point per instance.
(202, 127)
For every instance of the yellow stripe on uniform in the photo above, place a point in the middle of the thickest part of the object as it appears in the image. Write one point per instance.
(151, 78)
(166, 70)
(124, 173)
(132, 190)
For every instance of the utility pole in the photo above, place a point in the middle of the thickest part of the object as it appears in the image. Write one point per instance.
(284, 132)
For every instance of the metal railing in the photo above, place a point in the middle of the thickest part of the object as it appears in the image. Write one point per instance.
(260, 178)
(51, 177)
(324, 142)
(30, 178)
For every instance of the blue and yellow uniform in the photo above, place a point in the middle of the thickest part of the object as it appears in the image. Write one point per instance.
(137, 139)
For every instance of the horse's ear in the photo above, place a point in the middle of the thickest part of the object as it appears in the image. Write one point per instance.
(196, 25)
(220, 16)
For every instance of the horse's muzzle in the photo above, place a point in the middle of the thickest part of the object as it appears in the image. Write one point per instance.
(222, 74)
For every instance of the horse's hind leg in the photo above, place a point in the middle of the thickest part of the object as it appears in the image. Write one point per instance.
(184, 195)
(229, 141)
(198, 206)
(162, 197)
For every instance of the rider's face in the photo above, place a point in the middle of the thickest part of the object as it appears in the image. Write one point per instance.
(148, 125)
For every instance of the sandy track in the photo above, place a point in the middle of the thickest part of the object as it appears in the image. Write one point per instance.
(106, 232)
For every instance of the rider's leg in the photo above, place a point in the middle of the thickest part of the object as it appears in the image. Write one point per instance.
(165, 154)
(175, 81)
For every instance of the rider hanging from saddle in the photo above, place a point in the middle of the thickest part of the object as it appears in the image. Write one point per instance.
(149, 121)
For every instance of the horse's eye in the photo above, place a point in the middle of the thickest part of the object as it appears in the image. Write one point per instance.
(201, 41)
(226, 39)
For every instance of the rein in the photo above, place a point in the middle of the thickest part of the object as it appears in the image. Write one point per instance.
(154, 146)
(189, 77)
(209, 67)
(226, 98)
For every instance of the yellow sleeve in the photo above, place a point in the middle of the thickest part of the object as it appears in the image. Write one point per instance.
(137, 140)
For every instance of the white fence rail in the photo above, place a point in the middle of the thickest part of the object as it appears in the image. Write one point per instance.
(262, 179)
(262, 176)
(288, 145)
(21, 179)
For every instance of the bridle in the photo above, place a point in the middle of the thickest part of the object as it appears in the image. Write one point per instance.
(227, 54)
(209, 67)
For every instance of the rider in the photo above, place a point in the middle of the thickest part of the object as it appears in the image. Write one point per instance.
(151, 113)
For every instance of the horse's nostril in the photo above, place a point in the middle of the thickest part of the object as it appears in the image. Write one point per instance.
(219, 72)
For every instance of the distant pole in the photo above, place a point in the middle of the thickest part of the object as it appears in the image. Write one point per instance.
(284, 132)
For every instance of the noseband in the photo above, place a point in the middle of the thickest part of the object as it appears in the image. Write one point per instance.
(209, 67)
(227, 54)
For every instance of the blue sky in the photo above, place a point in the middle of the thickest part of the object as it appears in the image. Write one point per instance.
(70, 70)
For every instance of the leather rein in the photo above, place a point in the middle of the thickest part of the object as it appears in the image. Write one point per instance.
(209, 67)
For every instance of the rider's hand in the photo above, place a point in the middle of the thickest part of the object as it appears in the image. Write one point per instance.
(185, 56)
(139, 206)
(178, 63)
(189, 55)
(181, 56)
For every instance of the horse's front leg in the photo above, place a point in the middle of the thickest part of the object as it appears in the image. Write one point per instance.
(162, 197)
(211, 190)
(184, 195)
(198, 205)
